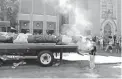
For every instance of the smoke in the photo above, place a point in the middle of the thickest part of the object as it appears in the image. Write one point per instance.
(76, 29)
(81, 23)
(65, 6)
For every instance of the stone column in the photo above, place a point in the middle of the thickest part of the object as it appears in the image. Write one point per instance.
(31, 20)
(44, 22)
(57, 24)
(121, 17)
(18, 26)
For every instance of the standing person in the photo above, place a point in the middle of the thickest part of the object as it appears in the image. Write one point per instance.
(101, 43)
(114, 38)
(110, 44)
(94, 38)
(92, 54)
(118, 47)
(120, 43)
(1, 62)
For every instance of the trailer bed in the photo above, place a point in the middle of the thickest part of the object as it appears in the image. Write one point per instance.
(34, 46)
(36, 49)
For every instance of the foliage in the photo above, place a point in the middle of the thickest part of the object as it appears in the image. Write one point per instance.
(9, 9)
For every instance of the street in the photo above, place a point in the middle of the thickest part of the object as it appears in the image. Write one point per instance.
(68, 69)
(84, 34)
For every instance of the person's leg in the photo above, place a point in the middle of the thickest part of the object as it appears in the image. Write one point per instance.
(107, 48)
(92, 57)
(119, 49)
(116, 50)
(92, 65)
(90, 62)
(93, 61)
(110, 48)
(102, 46)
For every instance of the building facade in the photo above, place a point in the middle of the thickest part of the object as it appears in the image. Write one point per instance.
(105, 16)
(110, 17)
(42, 16)
(38, 17)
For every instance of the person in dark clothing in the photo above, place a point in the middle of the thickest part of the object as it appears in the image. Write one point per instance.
(114, 37)
(92, 54)
(93, 51)
(110, 44)
(94, 38)
(118, 46)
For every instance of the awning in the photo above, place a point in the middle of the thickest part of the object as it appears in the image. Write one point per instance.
(4, 23)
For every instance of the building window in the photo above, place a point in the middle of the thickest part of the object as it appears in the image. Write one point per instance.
(5, 26)
(24, 26)
(50, 32)
(37, 27)
(50, 8)
(51, 28)
(65, 19)
(38, 31)
(26, 6)
(4, 29)
(38, 7)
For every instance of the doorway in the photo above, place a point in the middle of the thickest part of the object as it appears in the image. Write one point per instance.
(107, 32)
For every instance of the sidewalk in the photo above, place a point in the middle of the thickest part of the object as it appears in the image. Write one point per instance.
(101, 57)
(104, 53)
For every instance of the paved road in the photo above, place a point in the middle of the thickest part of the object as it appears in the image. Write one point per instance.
(69, 69)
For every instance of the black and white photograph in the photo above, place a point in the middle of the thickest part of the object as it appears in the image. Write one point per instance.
(60, 39)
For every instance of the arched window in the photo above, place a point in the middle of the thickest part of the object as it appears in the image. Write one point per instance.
(38, 27)
(51, 28)
(24, 26)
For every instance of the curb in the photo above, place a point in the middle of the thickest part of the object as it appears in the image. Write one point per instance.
(108, 63)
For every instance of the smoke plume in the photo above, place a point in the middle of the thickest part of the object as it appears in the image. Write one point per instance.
(81, 23)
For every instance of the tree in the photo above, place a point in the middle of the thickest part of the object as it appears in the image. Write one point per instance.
(2, 9)
(10, 9)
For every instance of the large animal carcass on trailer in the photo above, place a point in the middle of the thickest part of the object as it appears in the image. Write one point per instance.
(41, 46)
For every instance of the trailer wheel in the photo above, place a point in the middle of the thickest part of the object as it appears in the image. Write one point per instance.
(46, 58)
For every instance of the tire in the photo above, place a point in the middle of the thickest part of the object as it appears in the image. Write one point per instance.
(45, 58)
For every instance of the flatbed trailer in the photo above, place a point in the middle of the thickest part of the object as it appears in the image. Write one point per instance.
(43, 51)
